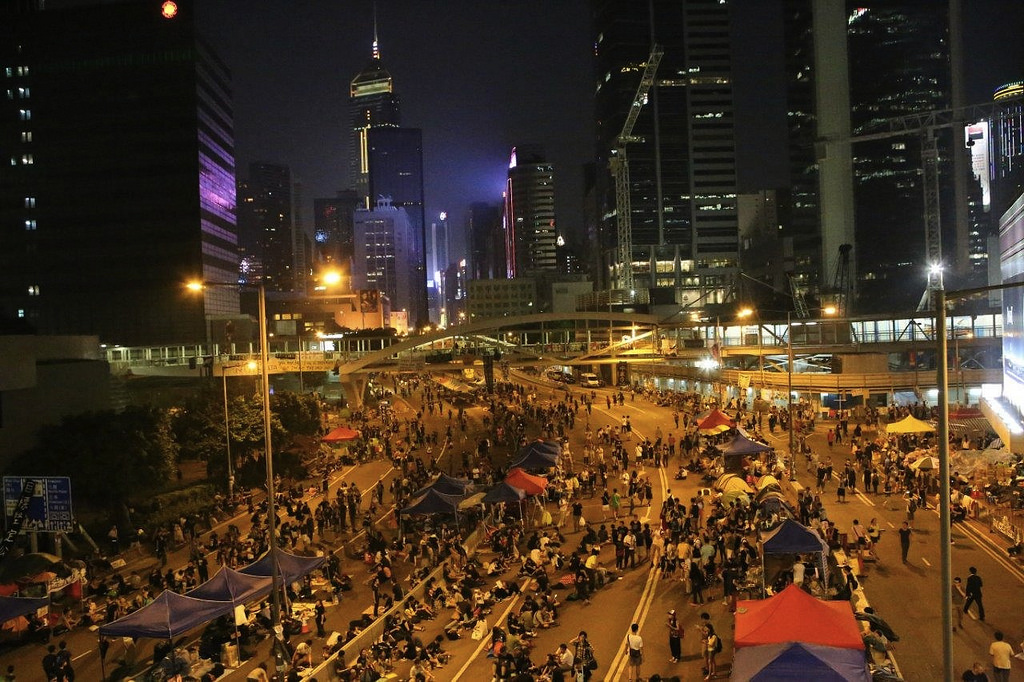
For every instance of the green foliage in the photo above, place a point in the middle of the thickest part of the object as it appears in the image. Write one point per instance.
(109, 455)
(299, 414)
(170, 506)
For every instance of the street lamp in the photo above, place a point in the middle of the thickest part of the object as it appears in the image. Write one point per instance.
(251, 365)
(275, 597)
(828, 311)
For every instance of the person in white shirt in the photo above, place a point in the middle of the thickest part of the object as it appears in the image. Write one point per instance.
(564, 657)
(1001, 653)
(635, 652)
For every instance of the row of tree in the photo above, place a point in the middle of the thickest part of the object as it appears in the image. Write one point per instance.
(115, 458)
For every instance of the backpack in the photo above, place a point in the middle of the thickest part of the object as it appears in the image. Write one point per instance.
(718, 644)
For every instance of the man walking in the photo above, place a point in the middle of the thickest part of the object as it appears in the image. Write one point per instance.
(905, 532)
(635, 647)
(974, 594)
(674, 636)
(1001, 653)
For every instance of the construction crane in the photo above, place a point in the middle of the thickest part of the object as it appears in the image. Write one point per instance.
(926, 124)
(619, 165)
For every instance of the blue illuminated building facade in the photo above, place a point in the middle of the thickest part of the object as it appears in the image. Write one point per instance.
(116, 136)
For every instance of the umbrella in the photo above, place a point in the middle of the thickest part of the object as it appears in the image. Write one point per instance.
(716, 422)
(926, 463)
(31, 564)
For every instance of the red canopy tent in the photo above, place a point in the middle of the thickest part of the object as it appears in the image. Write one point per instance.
(340, 434)
(530, 484)
(716, 422)
(795, 616)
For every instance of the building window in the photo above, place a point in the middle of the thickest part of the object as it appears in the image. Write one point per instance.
(10, 94)
(26, 136)
(33, 290)
(27, 159)
(30, 202)
(21, 312)
(22, 70)
(24, 93)
(25, 114)
(30, 224)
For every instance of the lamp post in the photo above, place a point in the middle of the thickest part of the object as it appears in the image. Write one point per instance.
(275, 579)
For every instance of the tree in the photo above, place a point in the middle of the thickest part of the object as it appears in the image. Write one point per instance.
(110, 456)
(299, 415)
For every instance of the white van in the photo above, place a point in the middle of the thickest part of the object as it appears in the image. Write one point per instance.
(590, 380)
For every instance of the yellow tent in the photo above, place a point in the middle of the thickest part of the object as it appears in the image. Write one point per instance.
(766, 481)
(909, 425)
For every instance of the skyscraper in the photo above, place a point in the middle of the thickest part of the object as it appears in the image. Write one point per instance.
(849, 69)
(395, 158)
(332, 229)
(385, 257)
(682, 180)
(118, 129)
(265, 227)
(529, 214)
(372, 102)
(486, 241)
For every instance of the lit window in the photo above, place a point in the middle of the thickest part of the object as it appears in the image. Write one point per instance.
(24, 93)
(33, 290)
(22, 70)
(26, 136)
(30, 202)
(21, 312)
(30, 224)
(25, 114)
(10, 94)
(27, 159)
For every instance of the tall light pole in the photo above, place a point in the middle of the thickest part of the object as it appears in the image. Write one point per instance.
(275, 578)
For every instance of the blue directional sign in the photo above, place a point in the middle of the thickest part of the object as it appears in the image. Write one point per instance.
(49, 509)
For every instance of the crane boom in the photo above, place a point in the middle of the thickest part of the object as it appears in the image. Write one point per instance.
(619, 165)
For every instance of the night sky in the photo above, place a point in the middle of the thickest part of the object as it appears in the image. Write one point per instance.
(479, 76)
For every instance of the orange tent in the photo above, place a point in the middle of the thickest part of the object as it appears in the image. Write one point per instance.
(340, 434)
(716, 422)
(795, 616)
(530, 484)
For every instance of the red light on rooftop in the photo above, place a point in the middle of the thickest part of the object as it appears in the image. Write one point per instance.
(169, 9)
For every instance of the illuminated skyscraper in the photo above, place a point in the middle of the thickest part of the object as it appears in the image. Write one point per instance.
(372, 102)
(529, 215)
(332, 229)
(265, 230)
(385, 256)
(118, 184)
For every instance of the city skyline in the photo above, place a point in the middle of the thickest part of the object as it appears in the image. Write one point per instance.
(476, 98)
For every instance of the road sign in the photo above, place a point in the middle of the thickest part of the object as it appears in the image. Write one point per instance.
(49, 510)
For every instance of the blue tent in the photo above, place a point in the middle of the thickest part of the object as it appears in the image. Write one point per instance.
(504, 492)
(433, 502)
(799, 661)
(741, 445)
(12, 607)
(167, 616)
(289, 566)
(538, 455)
(231, 586)
(790, 537)
(447, 485)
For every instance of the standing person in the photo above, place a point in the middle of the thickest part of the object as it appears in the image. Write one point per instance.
(675, 636)
(905, 532)
(65, 673)
(974, 593)
(583, 652)
(50, 663)
(1001, 653)
(321, 618)
(635, 647)
(959, 597)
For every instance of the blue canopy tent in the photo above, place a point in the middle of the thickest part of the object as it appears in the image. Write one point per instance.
(12, 607)
(799, 661)
(504, 492)
(538, 455)
(167, 616)
(231, 586)
(741, 445)
(289, 566)
(791, 537)
(447, 485)
(432, 502)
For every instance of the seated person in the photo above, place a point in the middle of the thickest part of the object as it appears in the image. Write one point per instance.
(303, 656)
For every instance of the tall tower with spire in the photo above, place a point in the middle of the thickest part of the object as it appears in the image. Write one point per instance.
(372, 103)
